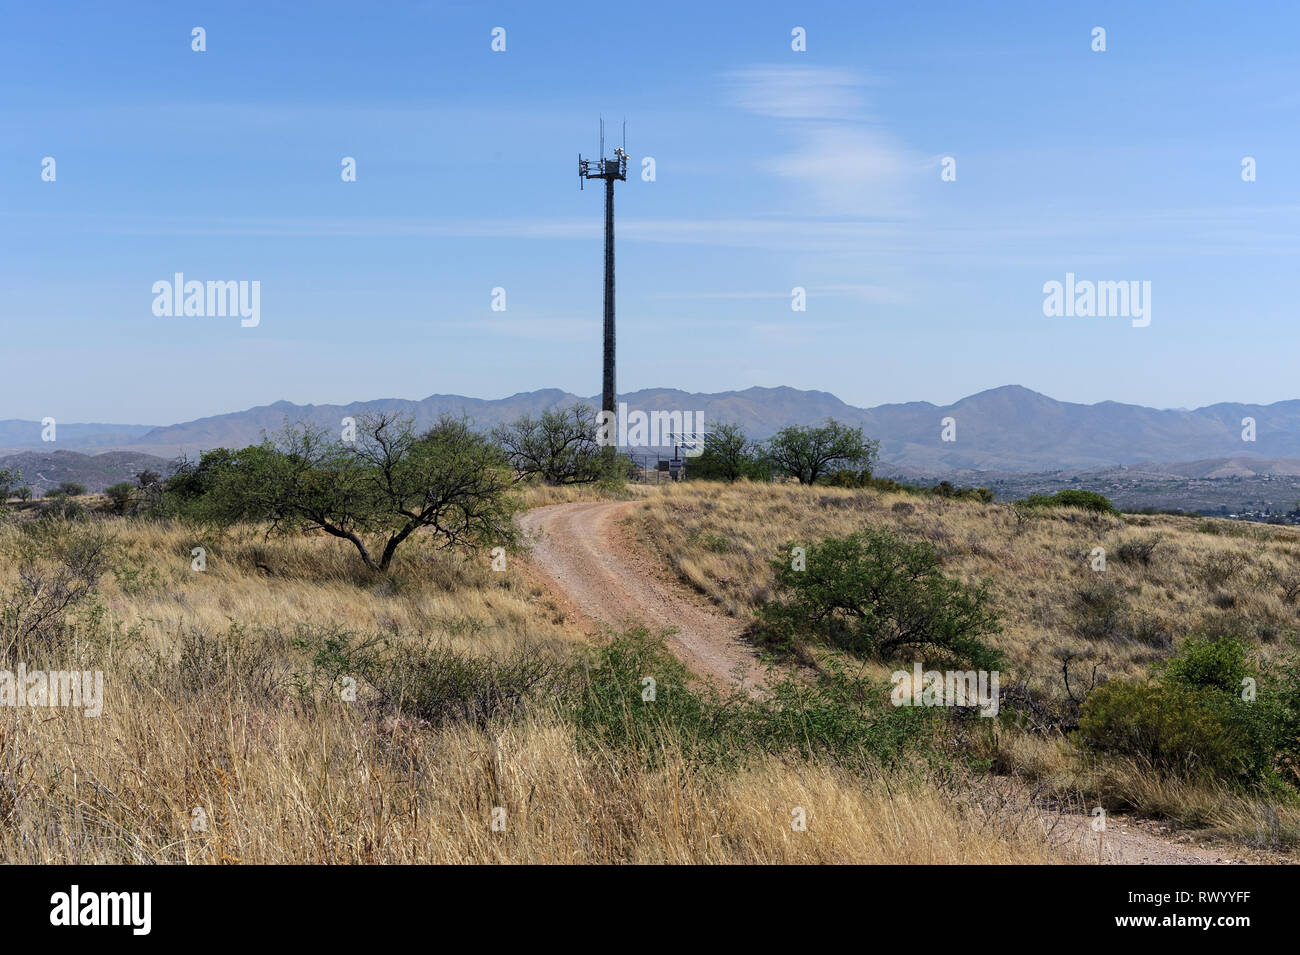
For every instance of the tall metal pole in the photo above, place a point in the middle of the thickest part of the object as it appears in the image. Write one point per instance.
(611, 170)
(609, 393)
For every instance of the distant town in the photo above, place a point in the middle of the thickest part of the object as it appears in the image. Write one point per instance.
(1266, 498)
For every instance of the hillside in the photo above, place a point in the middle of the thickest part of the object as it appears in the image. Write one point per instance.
(44, 470)
(226, 706)
(1064, 624)
(228, 699)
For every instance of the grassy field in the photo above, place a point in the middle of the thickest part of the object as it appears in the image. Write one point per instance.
(1165, 578)
(227, 737)
(1200, 574)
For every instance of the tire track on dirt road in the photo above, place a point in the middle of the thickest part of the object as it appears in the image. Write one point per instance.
(584, 549)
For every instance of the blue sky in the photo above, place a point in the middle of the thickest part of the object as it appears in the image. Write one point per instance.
(775, 169)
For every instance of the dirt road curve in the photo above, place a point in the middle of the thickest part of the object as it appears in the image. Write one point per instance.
(609, 580)
(605, 578)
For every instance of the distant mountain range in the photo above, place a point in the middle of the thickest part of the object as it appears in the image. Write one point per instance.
(1008, 429)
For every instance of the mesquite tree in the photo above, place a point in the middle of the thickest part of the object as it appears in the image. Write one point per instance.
(807, 452)
(374, 491)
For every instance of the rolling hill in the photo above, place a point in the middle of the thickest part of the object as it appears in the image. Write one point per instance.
(1004, 429)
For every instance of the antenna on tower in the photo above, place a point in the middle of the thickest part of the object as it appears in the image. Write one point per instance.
(610, 170)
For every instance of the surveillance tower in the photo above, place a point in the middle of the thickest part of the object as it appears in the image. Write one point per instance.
(609, 170)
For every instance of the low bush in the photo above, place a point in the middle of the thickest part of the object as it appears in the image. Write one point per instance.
(1084, 500)
(120, 496)
(836, 717)
(430, 681)
(877, 595)
(1137, 551)
(59, 568)
(636, 698)
(629, 698)
(1208, 713)
(1099, 611)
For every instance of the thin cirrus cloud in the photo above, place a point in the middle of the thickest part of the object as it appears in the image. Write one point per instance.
(805, 234)
(864, 292)
(845, 162)
(1003, 239)
(849, 171)
(787, 92)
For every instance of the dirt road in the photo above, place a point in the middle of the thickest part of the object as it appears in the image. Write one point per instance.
(609, 580)
(1144, 842)
(603, 577)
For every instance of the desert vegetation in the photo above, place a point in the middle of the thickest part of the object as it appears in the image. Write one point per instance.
(1122, 677)
(325, 651)
(269, 697)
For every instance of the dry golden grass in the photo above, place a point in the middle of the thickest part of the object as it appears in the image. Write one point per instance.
(540, 495)
(318, 580)
(721, 539)
(1202, 574)
(1058, 772)
(279, 785)
(205, 752)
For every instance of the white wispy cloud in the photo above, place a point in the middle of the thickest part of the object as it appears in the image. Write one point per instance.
(844, 161)
(789, 92)
(851, 170)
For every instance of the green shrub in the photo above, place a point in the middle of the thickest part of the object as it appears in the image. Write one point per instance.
(10, 481)
(1182, 729)
(59, 567)
(628, 698)
(877, 595)
(836, 717)
(1217, 570)
(1196, 719)
(440, 685)
(1085, 500)
(616, 709)
(229, 662)
(865, 479)
(1219, 664)
(58, 508)
(849, 479)
(1282, 681)
(715, 543)
(844, 719)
